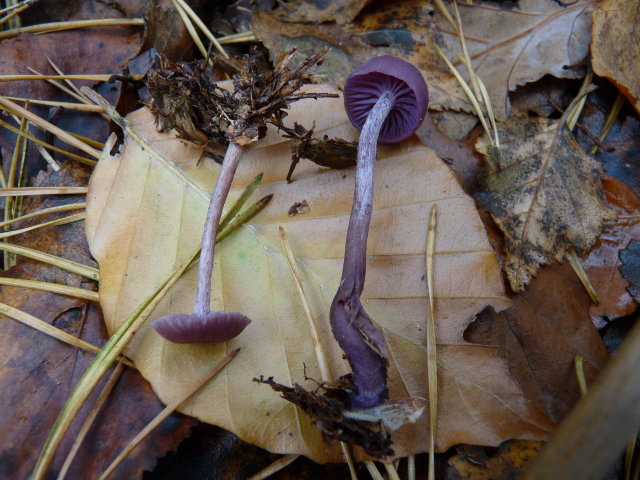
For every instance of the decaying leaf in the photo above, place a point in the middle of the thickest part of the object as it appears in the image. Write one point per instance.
(630, 258)
(37, 372)
(320, 11)
(602, 262)
(145, 216)
(540, 335)
(511, 47)
(403, 30)
(615, 51)
(508, 463)
(546, 195)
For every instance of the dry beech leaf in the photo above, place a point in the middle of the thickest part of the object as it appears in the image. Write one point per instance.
(602, 263)
(143, 220)
(546, 195)
(511, 47)
(405, 30)
(615, 51)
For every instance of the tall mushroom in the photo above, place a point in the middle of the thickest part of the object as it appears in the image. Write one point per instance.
(386, 98)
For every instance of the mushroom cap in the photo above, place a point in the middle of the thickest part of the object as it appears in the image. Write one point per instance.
(367, 83)
(191, 328)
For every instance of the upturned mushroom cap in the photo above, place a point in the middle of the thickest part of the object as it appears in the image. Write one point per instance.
(365, 85)
(192, 328)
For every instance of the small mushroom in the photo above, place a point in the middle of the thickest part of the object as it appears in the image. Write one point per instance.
(203, 325)
(386, 98)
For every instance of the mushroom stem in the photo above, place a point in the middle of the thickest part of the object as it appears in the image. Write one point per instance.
(223, 185)
(356, 245)
(352, 327)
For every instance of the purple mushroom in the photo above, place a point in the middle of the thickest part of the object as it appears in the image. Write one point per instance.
(203, 325)
(386, 98)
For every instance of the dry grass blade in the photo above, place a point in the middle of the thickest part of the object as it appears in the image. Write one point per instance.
(52, 288)
(168, 410)
(68, 105)
(187, 9)
(275, 467)
(46, 211)
(58, 26)
(321, 356)
(52, 331)
(88, 422)
(60, 262)
(40, 122)
(52, 223)
(30, 191)
(432, 361)
(73, 156)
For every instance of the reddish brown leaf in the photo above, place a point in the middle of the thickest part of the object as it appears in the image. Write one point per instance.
(602, 262)
(540, 336)
(37, 372)
(320, 11)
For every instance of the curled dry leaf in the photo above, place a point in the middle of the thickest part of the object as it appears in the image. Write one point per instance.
(546, 195)
(615, 51)
(511, 47)
(138, 205)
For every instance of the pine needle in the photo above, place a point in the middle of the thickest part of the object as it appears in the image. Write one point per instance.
(582, 275)
(68, 105)
(13, 7)
(168, 410)
(42, 123)
(275, 467)
(18, 8)
(58, 26)
(37, 141)
(44, 327)
(608, 123)
(68, 265)
(46, 211)
(318, 345)
(51, 288)
(88, 422)
(391, 471)
(432, 363)
(52, 223)
(411, 467)
(237, 38)
(201, 25)
(373, 470)
(192, 31)
(582, 380)
(30, 191)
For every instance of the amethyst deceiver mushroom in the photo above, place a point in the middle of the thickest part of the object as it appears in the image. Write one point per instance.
(386, 98)
(204, 325)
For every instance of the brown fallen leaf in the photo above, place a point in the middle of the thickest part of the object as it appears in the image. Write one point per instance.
(545, 195)
(508, 463)
(37, 372)
(404, 30)
(152, 208)
(513, 46)
(602, 262)
(615, 53)
(540, 335)
(320, 11)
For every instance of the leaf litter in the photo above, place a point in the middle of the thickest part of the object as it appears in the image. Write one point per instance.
(254, 277)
